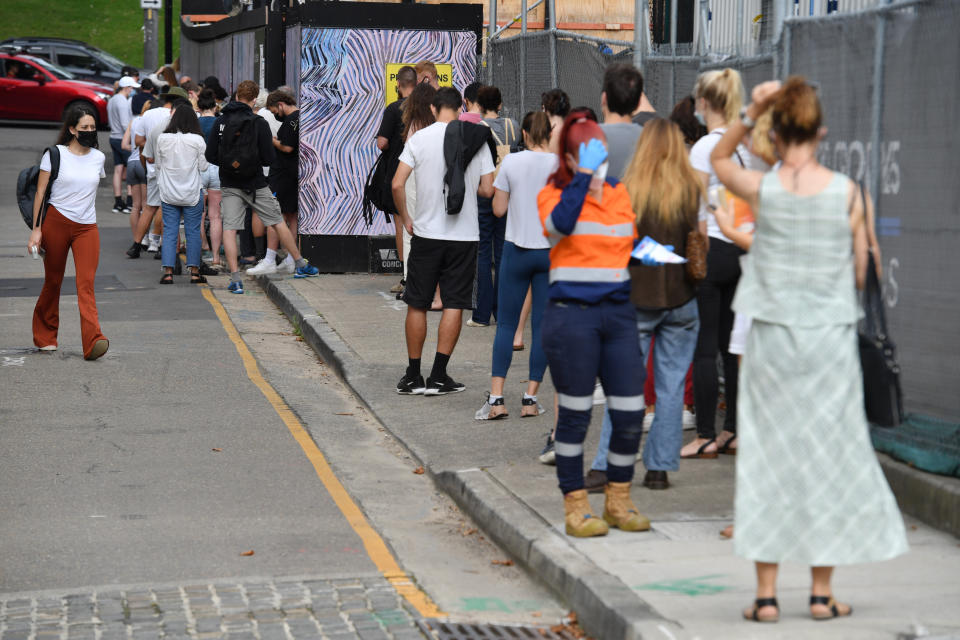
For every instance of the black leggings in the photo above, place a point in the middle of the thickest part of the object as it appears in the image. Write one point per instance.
(714, 298)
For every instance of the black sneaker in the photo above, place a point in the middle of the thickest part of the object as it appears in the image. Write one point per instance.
(409, 386)
(117, 205)
(443, 387)
(207, 270)
(549, 454)
(134, 251)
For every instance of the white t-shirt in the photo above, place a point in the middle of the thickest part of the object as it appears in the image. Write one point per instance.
(424, 152)
(274, 125)
(179, 161)
(152, 124)
(523, 175)
(74, 192)
(700, 160)
(135, 152)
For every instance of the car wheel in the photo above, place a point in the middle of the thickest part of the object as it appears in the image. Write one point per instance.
(82, 103)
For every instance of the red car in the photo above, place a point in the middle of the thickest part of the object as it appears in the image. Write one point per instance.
(34, 89)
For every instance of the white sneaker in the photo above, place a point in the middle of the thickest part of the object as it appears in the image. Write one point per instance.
(262, 268)
(287, 267)
(153, 247)
(689, 420)
(598, 397)
(648, 421)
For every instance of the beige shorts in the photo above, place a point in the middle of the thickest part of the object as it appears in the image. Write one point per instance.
(235, 203)
(153, 192)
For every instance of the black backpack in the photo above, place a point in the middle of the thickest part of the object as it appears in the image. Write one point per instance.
(239, 153)
(378, 188)
(27, 187)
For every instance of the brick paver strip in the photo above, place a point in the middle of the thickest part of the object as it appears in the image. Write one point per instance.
(355, 609)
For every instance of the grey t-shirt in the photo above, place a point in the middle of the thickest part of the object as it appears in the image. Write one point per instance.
(621, 143)
(119, 115)
(508, 134)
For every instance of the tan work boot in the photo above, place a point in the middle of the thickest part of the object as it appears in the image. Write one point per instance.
(581, 523)
(620, 512)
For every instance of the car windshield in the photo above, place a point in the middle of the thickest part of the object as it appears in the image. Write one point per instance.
(109, 58)
(58, 72)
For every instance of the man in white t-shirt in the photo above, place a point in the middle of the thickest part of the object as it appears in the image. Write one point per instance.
(444, 246)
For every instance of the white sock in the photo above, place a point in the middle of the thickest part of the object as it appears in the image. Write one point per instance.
(271, 256)
(288, 259)
(494, 398)
(527, 396)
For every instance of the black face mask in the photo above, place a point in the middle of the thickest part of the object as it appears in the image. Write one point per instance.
(87, 138)
(278, 117)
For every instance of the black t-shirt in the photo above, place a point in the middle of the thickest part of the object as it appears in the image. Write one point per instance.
(286, 164)
(391, 127)
(644, 117)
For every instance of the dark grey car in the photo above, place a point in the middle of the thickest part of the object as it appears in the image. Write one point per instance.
(81, 59)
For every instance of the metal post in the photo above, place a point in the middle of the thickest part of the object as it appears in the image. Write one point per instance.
(552, 17)
(523, 57)
(491, 30)
(703, 39)
(673, 51)
(150, 44)
(638, 26)
(739, 47)
(876, 115)
(168, 31)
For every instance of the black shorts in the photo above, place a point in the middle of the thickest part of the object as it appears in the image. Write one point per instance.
(287, 192)
(450, 263)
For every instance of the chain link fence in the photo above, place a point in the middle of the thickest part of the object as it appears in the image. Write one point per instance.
(887, 81)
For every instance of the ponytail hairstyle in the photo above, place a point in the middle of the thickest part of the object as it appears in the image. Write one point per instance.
(537, 126)
(580, 126)
(760, 142)
(659, 178)
(797, 115)
(723, 91)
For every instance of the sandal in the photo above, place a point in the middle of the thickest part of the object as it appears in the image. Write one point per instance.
(828, 601)
(518, 347)
(196, 278)
(702, 452)
(726, 448)
(167, 278)
(753, 613)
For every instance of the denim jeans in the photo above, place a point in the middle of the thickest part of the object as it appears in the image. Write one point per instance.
(171, 232)
(489, 252)
(676, 338)
(583, 342)
(521, 269)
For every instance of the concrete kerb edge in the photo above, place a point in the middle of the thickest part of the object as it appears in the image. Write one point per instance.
(606, 607)
(930, 498)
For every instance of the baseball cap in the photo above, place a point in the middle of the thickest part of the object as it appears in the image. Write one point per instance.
(175, 92)
(127, 81)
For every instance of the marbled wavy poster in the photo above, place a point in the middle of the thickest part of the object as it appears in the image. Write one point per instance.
(341, 94)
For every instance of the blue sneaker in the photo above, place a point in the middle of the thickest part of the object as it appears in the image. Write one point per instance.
(306, 271)
(235, 287)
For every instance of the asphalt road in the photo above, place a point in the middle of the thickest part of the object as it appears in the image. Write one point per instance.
(162, 462)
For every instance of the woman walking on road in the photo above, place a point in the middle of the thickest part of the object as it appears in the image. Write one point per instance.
(70, 223)
(210, 180)
(589, 327)
(825, 501)
(180, 163)
(526, 262)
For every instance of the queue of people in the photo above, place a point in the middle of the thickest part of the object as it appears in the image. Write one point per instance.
(776, 289)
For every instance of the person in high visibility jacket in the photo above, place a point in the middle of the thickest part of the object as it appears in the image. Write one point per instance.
(589, 326)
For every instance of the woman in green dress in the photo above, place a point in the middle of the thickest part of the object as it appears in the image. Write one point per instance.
(809, 486)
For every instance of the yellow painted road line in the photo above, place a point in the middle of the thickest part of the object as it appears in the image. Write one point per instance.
(376, 548)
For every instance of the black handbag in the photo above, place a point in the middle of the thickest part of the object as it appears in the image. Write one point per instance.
(882, 396)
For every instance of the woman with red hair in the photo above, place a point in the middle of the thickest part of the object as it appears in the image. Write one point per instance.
(588, 328)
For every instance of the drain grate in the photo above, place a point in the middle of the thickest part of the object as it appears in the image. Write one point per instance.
(439, 630)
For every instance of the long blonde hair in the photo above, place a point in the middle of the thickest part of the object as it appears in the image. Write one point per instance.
(660, 180)
(723, 91)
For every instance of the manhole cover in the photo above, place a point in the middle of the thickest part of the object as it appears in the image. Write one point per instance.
(439, 630)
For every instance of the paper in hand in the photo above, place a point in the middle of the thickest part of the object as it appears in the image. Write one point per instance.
(648, 247)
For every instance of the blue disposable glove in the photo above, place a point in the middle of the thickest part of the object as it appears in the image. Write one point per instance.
(650, 262)
(592, 154)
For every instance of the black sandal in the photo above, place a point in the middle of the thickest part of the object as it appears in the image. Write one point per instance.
(196, 278)
(759, 603)
(829, 602)
(167, 278)
(725, 447)
(701, 453)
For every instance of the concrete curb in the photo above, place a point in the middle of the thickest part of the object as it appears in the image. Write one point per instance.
(930, 498)
(605, 606)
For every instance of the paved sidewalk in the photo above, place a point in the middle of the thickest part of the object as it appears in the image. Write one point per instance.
(680, 579)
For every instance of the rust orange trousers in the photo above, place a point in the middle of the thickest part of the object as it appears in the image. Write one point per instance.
(60, 235)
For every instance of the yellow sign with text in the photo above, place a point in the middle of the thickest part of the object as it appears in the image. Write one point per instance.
(444, 77)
